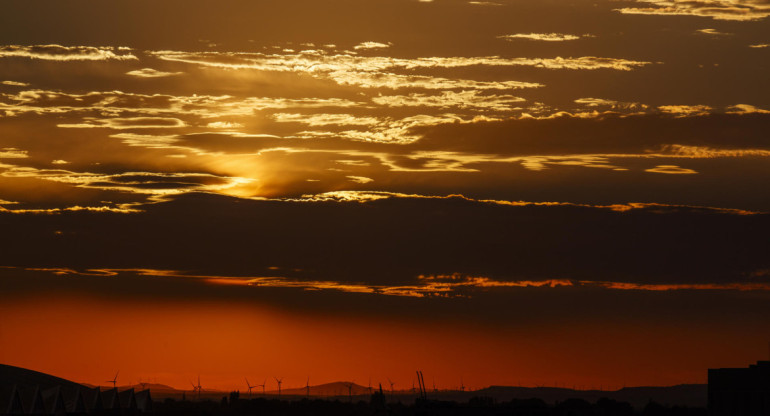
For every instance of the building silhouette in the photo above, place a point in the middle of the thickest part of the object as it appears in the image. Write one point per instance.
(740, 391)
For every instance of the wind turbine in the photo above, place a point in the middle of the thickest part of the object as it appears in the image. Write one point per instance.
(250, 386)
(114, 381)
(462, 386)
(279, 381)
(263, 386)
(307, 386)
(391, 389)
(197, 388)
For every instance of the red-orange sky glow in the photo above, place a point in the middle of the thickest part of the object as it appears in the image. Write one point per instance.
(88, 340)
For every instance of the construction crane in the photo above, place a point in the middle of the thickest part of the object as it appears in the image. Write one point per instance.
(421, 382)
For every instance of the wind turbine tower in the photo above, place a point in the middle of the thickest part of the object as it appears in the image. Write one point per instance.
(279, 381)
(197, 388)
(114, 381)
(249, 386)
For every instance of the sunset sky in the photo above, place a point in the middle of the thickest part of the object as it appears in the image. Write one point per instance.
(511, 192)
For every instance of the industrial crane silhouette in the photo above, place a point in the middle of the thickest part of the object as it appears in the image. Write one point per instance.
(421, 382)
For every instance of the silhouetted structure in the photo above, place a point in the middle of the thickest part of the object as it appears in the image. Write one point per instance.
(740, 391)
(56, 400)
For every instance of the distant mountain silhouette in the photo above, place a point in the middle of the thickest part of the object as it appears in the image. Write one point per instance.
(138, 386)
(694, 395)
(338, 388)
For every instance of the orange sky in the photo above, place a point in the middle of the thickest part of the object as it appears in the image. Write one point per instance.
(88, 341)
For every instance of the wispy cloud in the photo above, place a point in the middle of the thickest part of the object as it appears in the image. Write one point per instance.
(671, 169)
(686, 110)
(360, 179)
(397, 81)
(127, 123)
(424, 286)
(484, 3)
(323, 65)
(741, 10)
(151, 73)
(326, 119)
(746, 109)
(372, 45)
(15, 83)
(449, 99)
(12, 153)
(547, 37)
(65, 53)
(712, 32)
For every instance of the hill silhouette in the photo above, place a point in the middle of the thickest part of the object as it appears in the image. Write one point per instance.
(10, 375)
(335, 389)
(693, 395)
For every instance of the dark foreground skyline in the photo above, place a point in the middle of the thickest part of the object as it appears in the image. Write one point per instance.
(24, 391)
(525, 192)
